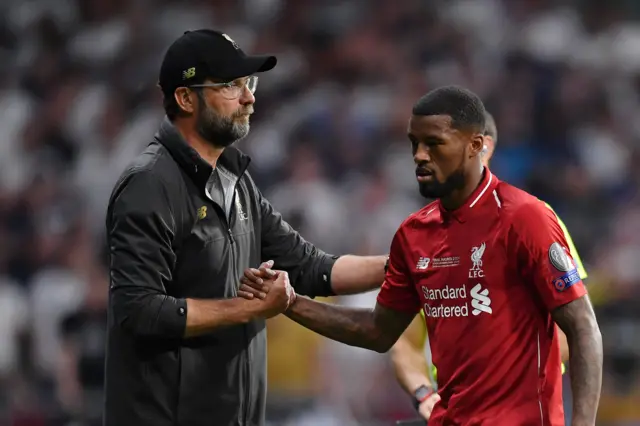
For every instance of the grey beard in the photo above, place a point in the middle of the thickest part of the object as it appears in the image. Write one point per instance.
(216, 129)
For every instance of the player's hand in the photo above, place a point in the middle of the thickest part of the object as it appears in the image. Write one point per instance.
(426, 407)
(252, 283)
(279, 294)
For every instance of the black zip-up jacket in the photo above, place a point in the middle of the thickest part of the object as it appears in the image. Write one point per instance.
(169, 241)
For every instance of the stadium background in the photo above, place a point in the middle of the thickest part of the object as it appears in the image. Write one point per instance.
(78, 100)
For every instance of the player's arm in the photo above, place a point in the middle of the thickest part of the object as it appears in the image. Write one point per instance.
(578, 321)
(140, 231)
(564, 345)
(408, 359)
(545, 260)
(376, 329)
(313, 272)
(410, 367)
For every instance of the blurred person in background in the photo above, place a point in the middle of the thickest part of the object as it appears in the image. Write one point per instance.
(184, 221)
(508, 312)
(408, 356)
(13, 329)
(80, 367)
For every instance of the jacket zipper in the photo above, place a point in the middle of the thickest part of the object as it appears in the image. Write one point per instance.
(247, 378)
(227, 221)
(246, 364)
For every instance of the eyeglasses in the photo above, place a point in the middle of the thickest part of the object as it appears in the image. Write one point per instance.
(232, 89)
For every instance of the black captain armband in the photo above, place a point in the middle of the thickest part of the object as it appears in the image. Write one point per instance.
(315, 281)
(386, 265)
(323, 275)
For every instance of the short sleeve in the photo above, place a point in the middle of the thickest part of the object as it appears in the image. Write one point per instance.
(572, 248)
(543, 256)
(398, 292)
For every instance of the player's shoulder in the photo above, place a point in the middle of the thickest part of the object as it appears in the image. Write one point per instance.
(520, 207)
(516, 201)
(429, 214)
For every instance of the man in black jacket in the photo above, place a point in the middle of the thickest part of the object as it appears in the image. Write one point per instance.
(184, 221)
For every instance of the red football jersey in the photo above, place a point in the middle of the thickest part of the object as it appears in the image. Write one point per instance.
(487, 276)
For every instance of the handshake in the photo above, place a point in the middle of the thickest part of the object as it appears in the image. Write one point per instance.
(272, 288)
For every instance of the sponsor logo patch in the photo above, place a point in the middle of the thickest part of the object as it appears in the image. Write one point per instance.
(567, 280)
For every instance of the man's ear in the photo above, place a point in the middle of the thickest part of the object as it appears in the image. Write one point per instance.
(185, 99)
(477, 144)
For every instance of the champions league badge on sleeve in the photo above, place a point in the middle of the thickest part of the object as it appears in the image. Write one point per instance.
(559, 258)
(562, 262)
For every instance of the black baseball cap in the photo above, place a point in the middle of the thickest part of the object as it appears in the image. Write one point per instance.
(202, 54)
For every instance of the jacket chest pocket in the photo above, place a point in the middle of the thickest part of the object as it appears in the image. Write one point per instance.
(207, 228)
(204, 269)
(212, 260)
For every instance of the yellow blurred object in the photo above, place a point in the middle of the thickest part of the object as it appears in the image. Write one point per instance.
(292, 356)
(600, 287)
(619, 408)
(572, 248)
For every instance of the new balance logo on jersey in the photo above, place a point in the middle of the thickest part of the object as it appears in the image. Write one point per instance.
(480, 301)
(423, 263)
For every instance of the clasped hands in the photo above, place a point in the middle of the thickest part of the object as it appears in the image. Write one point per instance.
(271, 287)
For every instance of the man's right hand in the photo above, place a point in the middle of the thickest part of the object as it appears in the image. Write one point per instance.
(426, 407)
(278, 294)
(252, 283)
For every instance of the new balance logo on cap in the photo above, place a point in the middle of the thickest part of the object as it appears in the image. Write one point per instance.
(190, 73)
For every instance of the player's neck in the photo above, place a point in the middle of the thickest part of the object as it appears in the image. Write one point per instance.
(459, 196)
(204, 148)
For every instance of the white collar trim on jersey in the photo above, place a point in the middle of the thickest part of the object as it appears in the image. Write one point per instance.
(483, 190)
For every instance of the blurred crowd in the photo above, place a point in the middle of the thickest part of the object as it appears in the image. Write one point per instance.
(78, 100)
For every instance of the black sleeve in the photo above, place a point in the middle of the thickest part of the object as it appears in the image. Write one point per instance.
(140, 231)
(309, 268)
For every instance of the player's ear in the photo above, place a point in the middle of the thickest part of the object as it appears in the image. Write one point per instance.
(185, 99)
(477, 145)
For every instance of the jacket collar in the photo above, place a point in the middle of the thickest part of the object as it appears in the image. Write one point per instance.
(191, 162)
